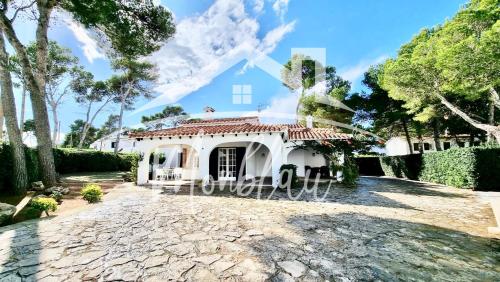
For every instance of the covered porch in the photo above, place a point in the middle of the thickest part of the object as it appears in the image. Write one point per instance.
(173, 163)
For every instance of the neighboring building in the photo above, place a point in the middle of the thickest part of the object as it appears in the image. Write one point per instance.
(228, 149)
(397, 146)
(108, 143)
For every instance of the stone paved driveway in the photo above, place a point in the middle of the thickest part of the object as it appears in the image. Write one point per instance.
(383, 230)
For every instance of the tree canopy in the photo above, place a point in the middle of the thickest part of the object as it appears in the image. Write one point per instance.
(449, 65)
(301, 73)
(133, 28)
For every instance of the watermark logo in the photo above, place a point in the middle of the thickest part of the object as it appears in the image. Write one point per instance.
(242, 94)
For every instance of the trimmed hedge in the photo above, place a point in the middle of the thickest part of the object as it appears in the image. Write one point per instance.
(369, 165)
(6, 167)
(71, 160)
(407, 166)
(66, 161)
(475, 168)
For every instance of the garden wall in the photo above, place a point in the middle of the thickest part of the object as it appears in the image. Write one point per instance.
(66, 161)
(475, 168)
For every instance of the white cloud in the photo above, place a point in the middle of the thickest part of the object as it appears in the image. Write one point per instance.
(280, 7)
(258, 6)
(88, 44)
(353, 73)
(281, 110)
(207, 45)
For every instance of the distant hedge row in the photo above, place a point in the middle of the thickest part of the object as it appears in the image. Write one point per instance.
(71, 160)
(475, 168)
(408, 166)
(66, 161)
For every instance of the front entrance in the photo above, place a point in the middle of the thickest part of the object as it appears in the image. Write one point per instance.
(227, 164)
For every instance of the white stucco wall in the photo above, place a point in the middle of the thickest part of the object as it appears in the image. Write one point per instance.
(126, 145)
(260, 161)
(204, 144)
(397, 146)
(302, 158)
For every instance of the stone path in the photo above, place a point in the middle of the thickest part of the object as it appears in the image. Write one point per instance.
(382, 230)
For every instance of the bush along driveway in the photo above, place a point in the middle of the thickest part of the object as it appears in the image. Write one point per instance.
(383, 229)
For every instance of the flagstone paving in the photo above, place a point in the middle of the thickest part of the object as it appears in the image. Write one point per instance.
(382, 230)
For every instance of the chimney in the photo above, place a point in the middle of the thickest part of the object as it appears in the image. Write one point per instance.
(309, 121)
(208, 112)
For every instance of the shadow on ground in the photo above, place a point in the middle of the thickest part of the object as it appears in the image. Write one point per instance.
(75, 182)
(365, 248)
(368, 192)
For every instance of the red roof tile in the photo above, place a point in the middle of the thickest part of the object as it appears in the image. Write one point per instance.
(234, 126)
(216, 121)
(209, 129)
(302, 133)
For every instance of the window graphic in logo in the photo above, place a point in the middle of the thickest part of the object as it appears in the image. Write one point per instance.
(242, 94)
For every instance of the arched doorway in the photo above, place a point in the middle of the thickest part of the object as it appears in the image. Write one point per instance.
(169, 162)
(239, 161)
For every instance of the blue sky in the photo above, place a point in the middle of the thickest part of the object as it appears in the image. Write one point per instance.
(200, 65)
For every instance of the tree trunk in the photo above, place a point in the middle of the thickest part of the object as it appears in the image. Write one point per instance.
(23, 108)
(1, 120)
(83, 135)
(297, 109)
(495, 97)
(36, 87)
(490, 129)
(436, 134)
(407, 135)
(420, 143)
(491, 117)
(56, 122)
(88, 123)
(120, 124)
(20, 177)
(472, 136)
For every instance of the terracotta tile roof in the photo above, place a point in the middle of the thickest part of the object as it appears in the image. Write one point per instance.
(214, 121)
(303, 133)
(209, 130)
(235, 126)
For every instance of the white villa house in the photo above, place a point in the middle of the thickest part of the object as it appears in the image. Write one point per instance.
(108, 143)
(226, 149)
(397, 146)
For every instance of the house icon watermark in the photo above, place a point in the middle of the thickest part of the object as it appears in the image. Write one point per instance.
(242, 94)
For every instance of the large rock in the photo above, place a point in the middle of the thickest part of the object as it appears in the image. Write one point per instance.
(37, 186)
(294, 268)
(6, 212)
(62, 190)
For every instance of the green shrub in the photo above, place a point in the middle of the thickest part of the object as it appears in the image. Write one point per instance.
(92, 193)
(350, 170)
(6, 168)
(72, 160)
(56, 195)
(475, 167)
(66, 161)
(285, 176)
(408, 166)
(134, 166)
(44, 204)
